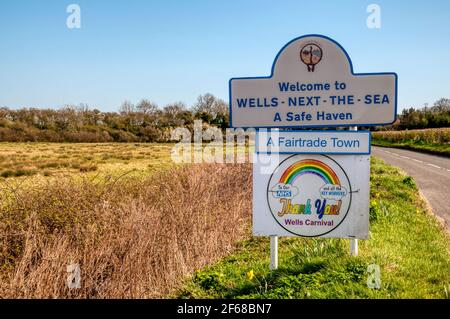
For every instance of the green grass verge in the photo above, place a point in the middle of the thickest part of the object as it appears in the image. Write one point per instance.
(409, 246)
(439, 149)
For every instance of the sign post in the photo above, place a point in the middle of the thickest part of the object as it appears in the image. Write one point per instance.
(353, 241)
(312, 183)
(273, 252)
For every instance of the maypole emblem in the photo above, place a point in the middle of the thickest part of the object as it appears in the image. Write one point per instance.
(311, 54)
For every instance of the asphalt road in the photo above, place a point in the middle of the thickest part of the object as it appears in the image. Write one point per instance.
(431, 173)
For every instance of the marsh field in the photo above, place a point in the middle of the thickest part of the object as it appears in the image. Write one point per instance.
(136, 225)
(57, 159)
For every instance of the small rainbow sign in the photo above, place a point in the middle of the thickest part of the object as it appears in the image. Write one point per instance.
(309, 166)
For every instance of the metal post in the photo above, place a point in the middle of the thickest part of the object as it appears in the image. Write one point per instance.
(353, 241)
(273, 252)
(274, 239)
(353, 247)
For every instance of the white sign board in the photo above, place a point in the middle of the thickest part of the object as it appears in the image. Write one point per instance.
(312, 84)
(313, 142)
(311, 196)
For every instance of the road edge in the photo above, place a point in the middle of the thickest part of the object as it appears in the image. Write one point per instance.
(430, 212)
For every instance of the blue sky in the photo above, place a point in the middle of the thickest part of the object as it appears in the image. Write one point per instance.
(170, 51)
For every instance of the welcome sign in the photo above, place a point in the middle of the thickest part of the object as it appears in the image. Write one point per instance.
(312, 196)
(312, 84)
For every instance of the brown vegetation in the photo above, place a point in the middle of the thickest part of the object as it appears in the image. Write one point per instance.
(61, 159)
(429, 136)
(131, 237)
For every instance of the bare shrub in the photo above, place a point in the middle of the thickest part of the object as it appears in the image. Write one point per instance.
(133, 238)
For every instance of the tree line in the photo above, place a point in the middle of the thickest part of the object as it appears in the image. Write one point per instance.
(141, 122)
(438, 115)
(147, 122)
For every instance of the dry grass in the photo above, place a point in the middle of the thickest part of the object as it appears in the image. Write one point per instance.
(434, 141)
(429, 136)
(61, 159)
(133, 238)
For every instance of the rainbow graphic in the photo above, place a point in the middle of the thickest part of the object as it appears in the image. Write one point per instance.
(309, 166)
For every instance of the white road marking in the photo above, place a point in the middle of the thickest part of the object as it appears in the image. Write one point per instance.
(392, 153)
(416, 160)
